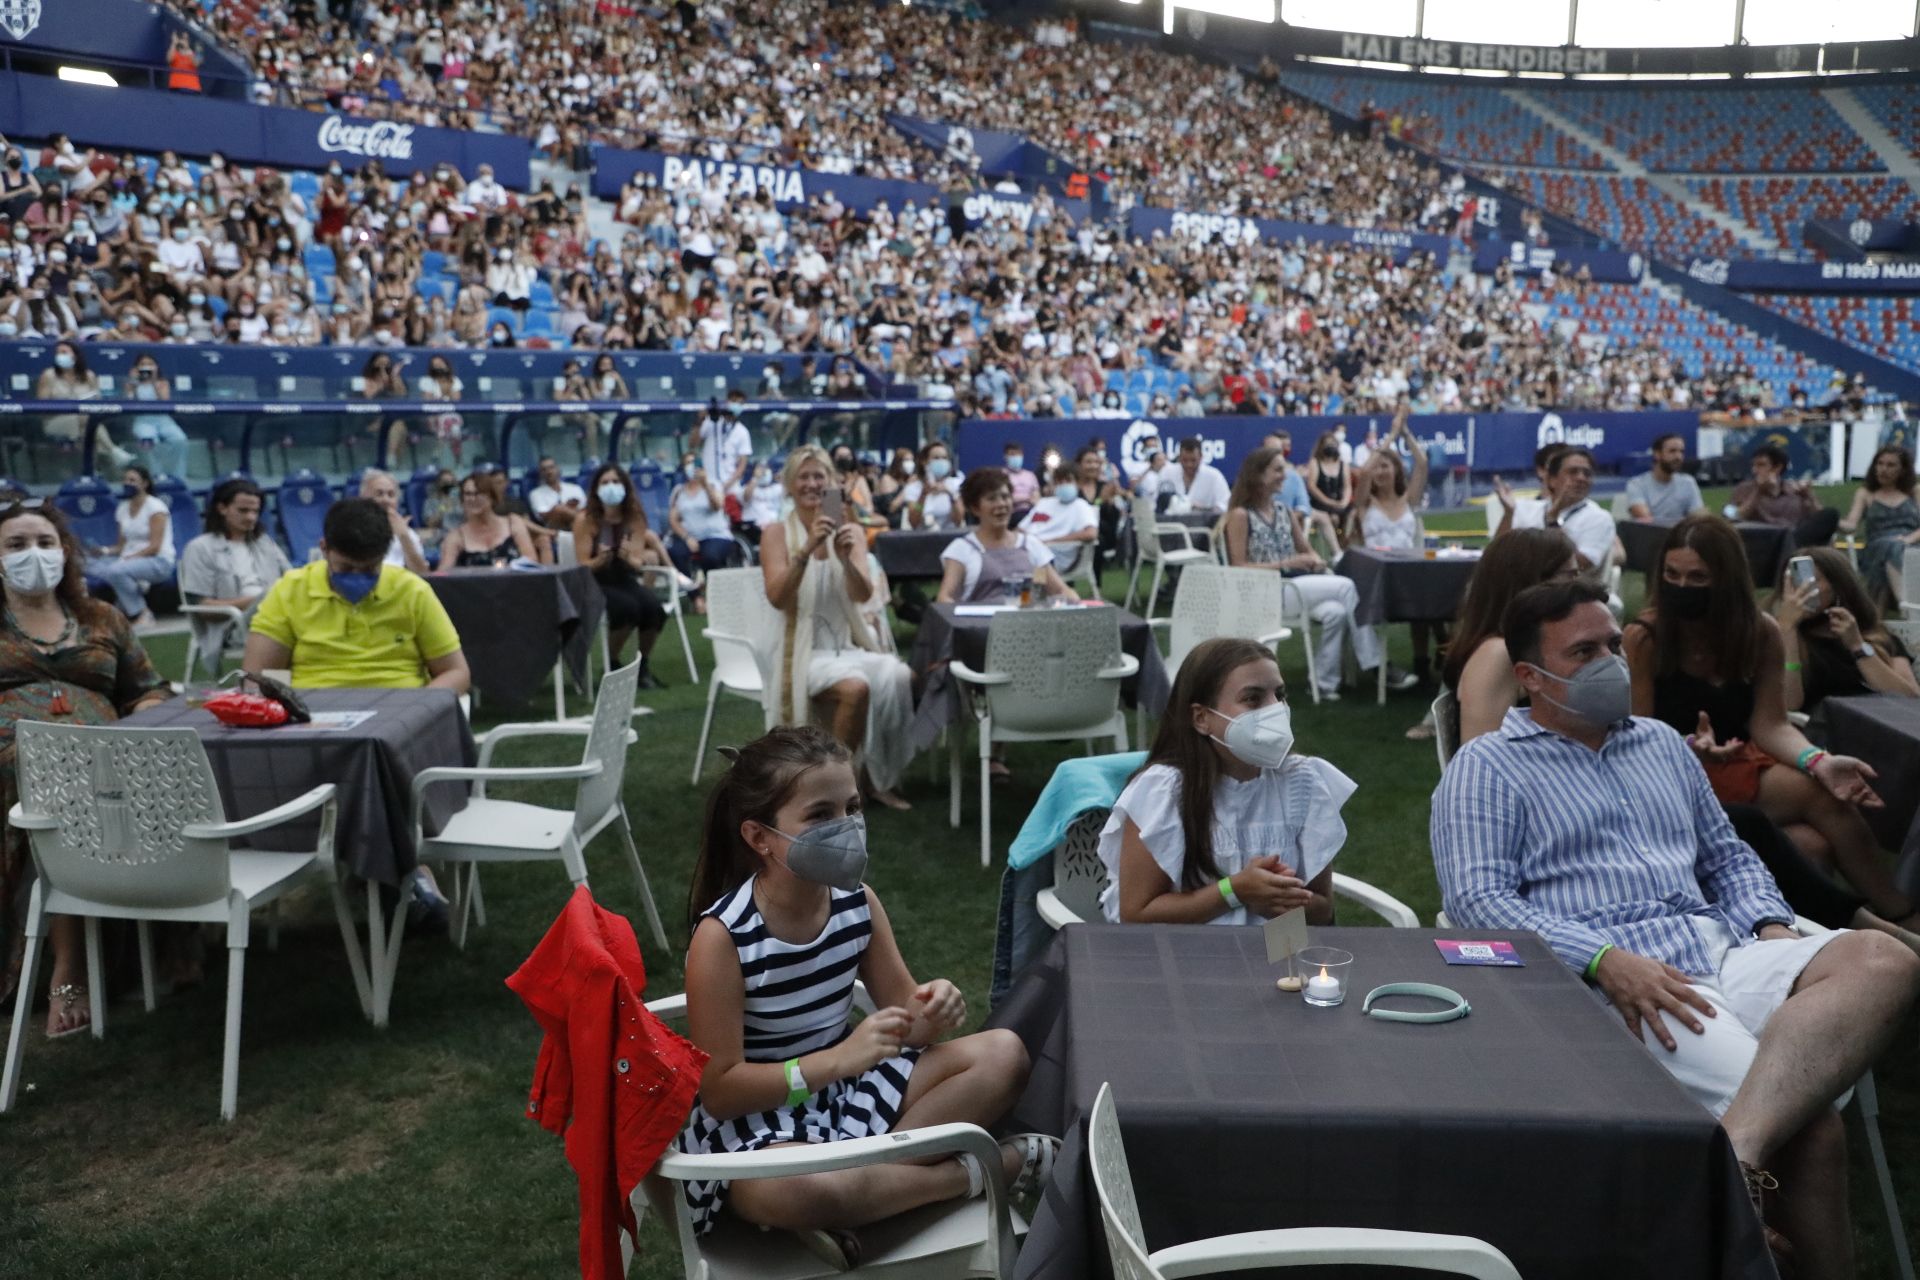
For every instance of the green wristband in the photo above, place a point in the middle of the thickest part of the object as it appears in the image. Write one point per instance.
(1226, 891)
(797, 1090)
(1793, 666)
(1593, 965)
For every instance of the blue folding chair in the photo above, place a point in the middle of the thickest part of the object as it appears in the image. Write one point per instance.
(183, 509)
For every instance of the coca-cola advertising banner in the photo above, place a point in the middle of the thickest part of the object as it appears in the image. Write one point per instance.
(32, 107)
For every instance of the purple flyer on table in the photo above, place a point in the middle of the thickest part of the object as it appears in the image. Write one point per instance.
(1496, 953)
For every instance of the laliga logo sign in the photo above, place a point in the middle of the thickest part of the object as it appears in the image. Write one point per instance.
(1141, 439)
(1554, 431)
(380, 140)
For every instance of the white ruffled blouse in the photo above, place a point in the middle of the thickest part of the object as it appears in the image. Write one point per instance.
(1292, 811)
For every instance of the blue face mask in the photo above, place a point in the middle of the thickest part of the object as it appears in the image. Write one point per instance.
(128, 491)
(354, 587)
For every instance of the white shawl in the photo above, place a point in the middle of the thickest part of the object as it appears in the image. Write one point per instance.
(823, 586)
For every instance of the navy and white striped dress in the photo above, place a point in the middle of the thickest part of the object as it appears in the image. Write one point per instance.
(799, 997)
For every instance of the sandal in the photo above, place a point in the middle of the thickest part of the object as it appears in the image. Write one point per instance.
(1760, 1184)
(71, 996)
(838, 1248)
(1037, 1151)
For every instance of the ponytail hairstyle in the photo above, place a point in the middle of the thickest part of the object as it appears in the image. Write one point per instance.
(1177, 744)
(759, 779)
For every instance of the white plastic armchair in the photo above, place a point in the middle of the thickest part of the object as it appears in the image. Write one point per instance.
(1148, 529)
(737, 610)
(128, 824)
(673, 600)
(1260, 1250)
(1052, 675)
(493, 830)
(958, 1238)
(1910, 588)
(1213, 601)
(236, 622)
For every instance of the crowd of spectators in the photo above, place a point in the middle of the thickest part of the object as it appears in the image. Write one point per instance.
(1030, 317)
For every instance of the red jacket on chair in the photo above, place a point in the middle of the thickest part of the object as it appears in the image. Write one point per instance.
(611, 1076)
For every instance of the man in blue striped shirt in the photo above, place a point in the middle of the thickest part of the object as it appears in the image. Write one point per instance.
(1598, 830)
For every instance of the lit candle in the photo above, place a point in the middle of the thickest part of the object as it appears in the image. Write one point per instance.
(1323, 986)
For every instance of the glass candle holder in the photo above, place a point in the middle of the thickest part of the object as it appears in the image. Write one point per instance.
(1327, 970)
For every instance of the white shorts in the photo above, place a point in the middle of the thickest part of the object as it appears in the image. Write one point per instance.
(1753, 981)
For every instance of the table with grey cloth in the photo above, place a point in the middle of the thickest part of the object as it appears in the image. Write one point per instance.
(1535, 1123)
(1766, 545)
(943, 637)
(515, 623)
(1405, 586)
(372, 765)
(910, 555)
(1885, 732)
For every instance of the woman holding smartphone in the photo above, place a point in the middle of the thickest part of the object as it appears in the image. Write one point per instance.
(818, 575)
(1831, 633)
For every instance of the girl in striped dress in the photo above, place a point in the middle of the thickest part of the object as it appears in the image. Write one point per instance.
(786, 928)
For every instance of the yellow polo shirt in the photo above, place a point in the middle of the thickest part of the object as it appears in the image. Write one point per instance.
(384, 642)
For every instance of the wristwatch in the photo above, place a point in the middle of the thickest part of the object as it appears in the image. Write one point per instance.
(1864, 651)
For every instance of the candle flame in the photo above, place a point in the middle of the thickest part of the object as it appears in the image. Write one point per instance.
(1323, 973)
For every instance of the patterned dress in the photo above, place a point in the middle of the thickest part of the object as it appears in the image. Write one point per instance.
(94, 679)
(799, 996)
(1885, 531)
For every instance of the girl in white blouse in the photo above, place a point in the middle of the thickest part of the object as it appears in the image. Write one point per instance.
(1225, 824)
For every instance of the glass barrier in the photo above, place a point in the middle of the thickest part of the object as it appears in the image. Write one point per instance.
(44, 444)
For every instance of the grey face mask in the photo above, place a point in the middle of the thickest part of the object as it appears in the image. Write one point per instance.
(1598, 694)
(833, 853)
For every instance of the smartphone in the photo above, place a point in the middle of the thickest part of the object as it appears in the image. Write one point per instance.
(833, 505)
(1800, 571)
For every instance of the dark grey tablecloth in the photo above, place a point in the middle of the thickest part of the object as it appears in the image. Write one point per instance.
(1535, 1123)
(514, 623)
(913, 554)
(372, 765)
(943, 637)
(1405, 586)
(1885, 732)
(1767, 546)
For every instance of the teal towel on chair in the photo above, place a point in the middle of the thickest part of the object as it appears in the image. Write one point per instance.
(1077, 785)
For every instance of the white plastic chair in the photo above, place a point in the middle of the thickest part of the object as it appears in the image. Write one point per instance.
(1052, 675)
(491, 830)
(1147, 531)
(1256, 1250)
(1079, 878)
(737, 611)
(1867, 1098)
(1446, 718)
(957, 1238)
(1082, 570)
(236, 636)
(1213, 601)
(127, 824)
(1909, 586)
(1905, 630)
(673, 600)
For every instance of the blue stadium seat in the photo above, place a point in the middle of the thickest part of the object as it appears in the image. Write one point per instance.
(432, 262)
(87, 503)
(539, 323)
(503, 315)
(302, 506)
(652, 486)
(429, 288)
(417, 486)
(541, 295)
(182, 507)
